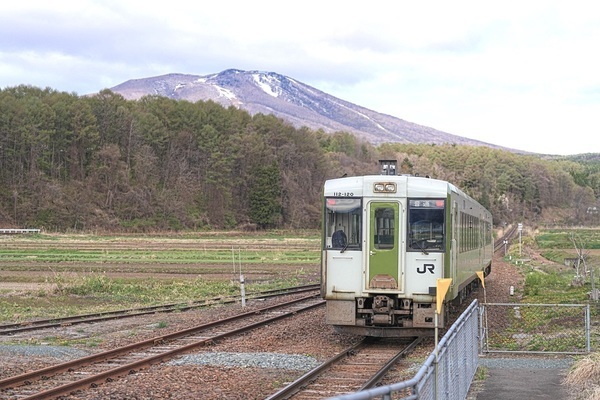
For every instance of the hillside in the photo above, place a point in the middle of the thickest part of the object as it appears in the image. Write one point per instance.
(104, 163)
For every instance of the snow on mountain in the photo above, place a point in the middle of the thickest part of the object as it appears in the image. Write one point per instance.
(290, 100)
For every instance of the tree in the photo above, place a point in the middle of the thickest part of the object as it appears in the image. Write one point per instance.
(83, 140)
(265, 196)
(581, 268)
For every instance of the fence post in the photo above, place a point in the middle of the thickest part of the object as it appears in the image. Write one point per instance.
(482, 328)
(588, 328)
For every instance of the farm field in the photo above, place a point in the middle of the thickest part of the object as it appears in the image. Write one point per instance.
(63, 274)
(53, 275)
(549, 267)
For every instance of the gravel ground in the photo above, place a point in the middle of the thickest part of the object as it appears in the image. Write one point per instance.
(251, 366)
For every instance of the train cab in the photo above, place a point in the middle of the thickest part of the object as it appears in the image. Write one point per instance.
(386, 240)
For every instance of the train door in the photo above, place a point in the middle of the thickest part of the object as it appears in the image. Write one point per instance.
(383, 266)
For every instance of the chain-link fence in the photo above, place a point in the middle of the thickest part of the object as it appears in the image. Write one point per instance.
(490, 327)
(447, 372)
(535, 328)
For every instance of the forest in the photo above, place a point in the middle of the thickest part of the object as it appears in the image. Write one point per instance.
(103, 163)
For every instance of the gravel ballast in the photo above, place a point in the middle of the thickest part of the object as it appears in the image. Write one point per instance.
(62, 352)
(250, 360)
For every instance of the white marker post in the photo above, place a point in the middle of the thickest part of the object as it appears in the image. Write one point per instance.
(243, 288)
(242, 282)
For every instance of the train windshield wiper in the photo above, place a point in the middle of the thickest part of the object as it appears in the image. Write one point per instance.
(420, 244)
(345, 247)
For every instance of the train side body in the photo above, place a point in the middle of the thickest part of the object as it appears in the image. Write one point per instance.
(387, 239)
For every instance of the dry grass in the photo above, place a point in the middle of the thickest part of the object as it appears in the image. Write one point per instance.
(589, 393)
(584, 378)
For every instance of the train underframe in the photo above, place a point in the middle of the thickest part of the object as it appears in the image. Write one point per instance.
(390, 316)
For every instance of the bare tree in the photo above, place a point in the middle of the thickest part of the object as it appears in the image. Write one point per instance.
(581, 267)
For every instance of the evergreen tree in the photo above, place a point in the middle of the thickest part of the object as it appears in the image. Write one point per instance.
(265, 196)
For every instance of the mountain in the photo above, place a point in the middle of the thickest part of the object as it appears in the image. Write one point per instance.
(290, 100)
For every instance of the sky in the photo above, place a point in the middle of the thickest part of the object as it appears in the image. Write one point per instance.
(519, 74)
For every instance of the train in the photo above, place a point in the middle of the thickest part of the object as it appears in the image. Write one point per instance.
(387, 239)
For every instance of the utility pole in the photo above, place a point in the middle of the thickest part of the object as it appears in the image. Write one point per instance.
(520, 227)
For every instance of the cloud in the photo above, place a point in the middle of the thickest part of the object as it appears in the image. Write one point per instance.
(498, 72)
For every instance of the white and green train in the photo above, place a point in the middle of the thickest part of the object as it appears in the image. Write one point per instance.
(387, 239)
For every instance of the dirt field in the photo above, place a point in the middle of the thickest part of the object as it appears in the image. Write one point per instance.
(41, 262)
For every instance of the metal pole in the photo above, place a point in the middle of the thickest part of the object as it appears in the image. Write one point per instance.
(435, 385)
(520, 227)
(594, 295)
(233, 259)
(587, 327)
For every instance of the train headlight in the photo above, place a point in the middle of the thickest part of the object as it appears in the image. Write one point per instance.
(384, 187)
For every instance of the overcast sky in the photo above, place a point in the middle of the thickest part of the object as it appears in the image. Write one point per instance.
(521, 74)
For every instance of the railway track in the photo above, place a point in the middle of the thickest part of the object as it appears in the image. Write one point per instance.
(99, 368)
(499, 244)
(359, 367)
(14, 328)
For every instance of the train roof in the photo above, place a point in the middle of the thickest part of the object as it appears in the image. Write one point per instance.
(407, 185)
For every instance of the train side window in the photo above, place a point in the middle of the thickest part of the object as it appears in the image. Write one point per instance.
(343, 223)
(426, 228)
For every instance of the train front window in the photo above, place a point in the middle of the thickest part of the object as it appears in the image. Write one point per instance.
(343, 222)
(426, 225)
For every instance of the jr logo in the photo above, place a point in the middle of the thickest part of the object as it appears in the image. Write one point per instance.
(425, 268)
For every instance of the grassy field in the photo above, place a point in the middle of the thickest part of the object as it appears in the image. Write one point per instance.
(564, 284)
(54, 275)
(550, 314)
(558, 281)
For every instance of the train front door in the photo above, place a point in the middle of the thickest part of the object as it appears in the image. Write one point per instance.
(383, 269)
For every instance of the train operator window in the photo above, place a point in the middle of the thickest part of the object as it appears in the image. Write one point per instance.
(426, 225)
(343, 222)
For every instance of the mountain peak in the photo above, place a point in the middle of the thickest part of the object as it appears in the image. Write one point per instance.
(288, 99)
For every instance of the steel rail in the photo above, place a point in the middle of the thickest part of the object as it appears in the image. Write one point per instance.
(314, 373)
(9, 329)
(44, 373)
(303, 382)
(377, 377)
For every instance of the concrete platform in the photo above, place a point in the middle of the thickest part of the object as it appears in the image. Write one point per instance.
(524, 378)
